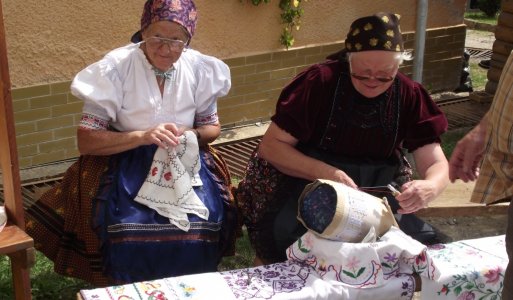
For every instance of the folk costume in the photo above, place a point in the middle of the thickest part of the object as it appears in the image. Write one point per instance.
(148, 212)
(334, 123)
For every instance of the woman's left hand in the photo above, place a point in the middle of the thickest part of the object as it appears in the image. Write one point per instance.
(433, 168)
(416, 195)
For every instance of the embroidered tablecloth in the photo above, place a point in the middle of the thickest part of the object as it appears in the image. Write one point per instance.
(470, 269)
(287, 280)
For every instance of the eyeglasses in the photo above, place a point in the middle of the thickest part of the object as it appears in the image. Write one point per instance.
(383, 79)
(157, 42)
(367, 78)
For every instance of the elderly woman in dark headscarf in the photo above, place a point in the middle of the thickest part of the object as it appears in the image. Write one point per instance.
(148, 198)
(347, 120)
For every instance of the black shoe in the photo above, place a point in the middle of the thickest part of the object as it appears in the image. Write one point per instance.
(439, 238)
(485, 64)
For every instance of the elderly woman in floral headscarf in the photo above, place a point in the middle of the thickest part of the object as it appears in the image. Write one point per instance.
(347, 120)
(148, 197)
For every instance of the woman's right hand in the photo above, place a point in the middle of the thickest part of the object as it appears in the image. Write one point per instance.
(164, 135)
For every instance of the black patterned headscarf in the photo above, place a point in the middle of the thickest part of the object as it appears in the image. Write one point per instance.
(377, 32)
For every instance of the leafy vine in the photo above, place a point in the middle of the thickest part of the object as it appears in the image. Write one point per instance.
(290, 16)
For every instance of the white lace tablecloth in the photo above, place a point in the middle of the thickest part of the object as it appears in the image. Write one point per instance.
(470, 269)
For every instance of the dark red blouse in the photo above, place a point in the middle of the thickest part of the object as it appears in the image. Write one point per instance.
(359, 126)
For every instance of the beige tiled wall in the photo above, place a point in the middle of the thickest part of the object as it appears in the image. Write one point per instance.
(46, 115)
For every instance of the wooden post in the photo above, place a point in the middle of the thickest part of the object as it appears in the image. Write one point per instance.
(502, 46)
(21, 259)
(8, 149)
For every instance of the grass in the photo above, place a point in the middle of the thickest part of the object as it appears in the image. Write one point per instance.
(46, 284)
(477, 74)
(480, 17)
(450, 138)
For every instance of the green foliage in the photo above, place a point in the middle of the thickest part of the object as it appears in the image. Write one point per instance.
(489, 7)
(290, 16)
(481, 17)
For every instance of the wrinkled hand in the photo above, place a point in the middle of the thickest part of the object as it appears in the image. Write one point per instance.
(416, 195)
(341, 176)
(466, 157)
(164, 135)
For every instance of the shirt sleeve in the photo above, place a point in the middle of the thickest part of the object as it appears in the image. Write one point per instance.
(299, 104)
(495, 181)
(100, 87)
(213, 82)
(426, 121)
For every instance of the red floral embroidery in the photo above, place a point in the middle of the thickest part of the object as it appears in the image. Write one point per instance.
(168, 176)
(493, 276)
(154, 171)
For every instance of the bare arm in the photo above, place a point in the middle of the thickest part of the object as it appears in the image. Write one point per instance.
(466, 156)
(208, 133)
(433, 168)
(278, 148)
(104, 142)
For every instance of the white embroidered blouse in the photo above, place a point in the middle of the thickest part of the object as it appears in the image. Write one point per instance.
(121, 89)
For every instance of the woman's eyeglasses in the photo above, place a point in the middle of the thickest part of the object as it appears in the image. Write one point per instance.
(367, 78)
(157, 42)
(383, 79)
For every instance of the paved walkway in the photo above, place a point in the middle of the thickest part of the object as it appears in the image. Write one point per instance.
(479, 39)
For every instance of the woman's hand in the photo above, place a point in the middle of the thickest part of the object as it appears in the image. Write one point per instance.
(432, 166)
(163, 135)
(416, 195)
(466, 156)
(342, 177)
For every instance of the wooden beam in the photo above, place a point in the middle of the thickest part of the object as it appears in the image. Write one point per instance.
(8, 149)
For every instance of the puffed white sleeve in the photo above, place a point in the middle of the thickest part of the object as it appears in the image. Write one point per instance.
(100, 87)
(214, 81)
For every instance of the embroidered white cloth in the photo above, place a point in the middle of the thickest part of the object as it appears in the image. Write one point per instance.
(359, 265)
(468, 269)
(282, 281)
(168, 187)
